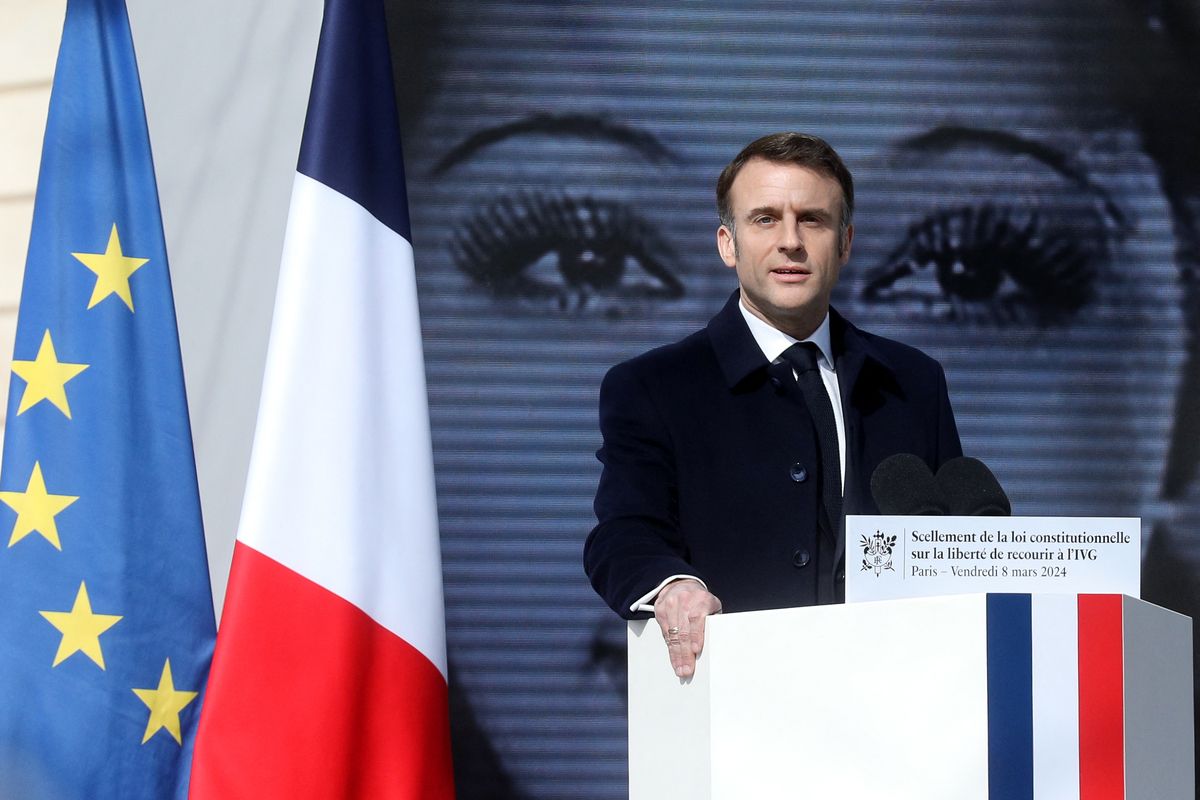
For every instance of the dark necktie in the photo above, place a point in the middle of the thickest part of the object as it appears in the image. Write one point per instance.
(803, 358)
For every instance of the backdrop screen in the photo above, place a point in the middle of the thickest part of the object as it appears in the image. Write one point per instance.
(1027, 191)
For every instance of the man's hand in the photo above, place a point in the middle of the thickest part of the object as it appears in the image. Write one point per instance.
(680, 609)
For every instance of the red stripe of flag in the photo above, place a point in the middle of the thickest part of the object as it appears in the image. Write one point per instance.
(1101, 698)
(321, 700)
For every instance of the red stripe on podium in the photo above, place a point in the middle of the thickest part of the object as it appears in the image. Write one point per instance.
(310, 697)
(1101, 698)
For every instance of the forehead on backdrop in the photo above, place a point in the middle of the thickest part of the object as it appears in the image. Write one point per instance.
(1012, 218)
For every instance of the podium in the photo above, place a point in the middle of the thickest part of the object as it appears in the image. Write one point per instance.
(957, 697)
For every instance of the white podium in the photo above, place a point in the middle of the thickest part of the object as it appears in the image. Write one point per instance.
(997, 696)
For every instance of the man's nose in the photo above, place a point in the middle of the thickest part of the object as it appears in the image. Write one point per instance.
(790, 240)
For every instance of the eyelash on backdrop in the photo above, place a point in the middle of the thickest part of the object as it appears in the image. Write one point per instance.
(994, 264)
(564, 251)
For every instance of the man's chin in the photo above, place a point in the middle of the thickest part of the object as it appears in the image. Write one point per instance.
(796, 319)
(797, 303)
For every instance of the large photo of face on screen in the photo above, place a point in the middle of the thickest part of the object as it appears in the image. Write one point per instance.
(1026, 181)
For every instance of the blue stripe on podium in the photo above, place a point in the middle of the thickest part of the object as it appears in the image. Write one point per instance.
(1010, 696)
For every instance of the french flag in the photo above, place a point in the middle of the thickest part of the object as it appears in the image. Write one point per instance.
(1078, 698)
(329, 676)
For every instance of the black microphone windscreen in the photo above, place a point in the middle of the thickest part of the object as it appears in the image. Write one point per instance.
(971, 489)
(903, 484)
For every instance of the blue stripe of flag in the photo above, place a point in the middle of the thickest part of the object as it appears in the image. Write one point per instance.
(352, 133)
(1010, 696)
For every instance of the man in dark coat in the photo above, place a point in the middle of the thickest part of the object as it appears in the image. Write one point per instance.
(731, 457)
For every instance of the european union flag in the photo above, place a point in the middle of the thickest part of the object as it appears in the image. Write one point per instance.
(106, 620)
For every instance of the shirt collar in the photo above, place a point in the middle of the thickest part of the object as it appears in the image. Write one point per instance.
(773, 341)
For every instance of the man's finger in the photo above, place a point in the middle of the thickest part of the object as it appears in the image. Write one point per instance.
(697, 617)
(685, 658)
(697, 635)
(679, 648)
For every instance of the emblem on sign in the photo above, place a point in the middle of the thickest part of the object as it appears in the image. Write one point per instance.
(877, 552)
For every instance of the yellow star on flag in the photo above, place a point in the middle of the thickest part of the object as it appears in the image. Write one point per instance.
(46, 378)
(80, 629)
(112, 268)
(36, 509)
(165, 704)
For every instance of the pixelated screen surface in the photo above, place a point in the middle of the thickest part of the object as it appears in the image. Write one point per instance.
(1016, 218)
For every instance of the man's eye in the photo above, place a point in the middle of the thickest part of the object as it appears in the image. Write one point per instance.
(992, 264)
(565, 254)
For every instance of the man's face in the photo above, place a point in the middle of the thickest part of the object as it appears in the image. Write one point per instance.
(786, 249)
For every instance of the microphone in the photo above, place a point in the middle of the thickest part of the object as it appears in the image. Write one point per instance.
(903, 484)
(971, 489)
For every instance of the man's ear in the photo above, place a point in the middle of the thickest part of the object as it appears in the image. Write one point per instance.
(726, 246)
(844, 250)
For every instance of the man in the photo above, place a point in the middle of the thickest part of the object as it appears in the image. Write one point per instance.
(731, 456)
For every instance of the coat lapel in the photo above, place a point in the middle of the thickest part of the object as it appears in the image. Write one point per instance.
(855, 359)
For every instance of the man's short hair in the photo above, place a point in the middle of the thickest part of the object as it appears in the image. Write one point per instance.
(801, 149)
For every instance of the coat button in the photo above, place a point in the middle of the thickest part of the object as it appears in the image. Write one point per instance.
(798, 472)
(841, 576)
(800, 558)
